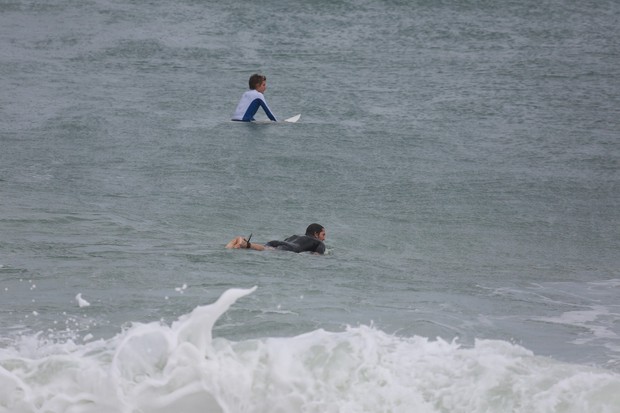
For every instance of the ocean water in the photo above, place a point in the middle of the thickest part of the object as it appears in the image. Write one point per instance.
(463, 157)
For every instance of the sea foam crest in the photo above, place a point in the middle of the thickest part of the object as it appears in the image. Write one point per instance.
(181, 368)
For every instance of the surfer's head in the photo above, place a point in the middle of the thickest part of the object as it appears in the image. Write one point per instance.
(256, 81)
(315, 230)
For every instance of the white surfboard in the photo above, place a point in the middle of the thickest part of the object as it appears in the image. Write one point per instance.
(292, 119)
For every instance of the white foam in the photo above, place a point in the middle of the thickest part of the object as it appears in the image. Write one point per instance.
(180, 368)
(80, 301)
(591, 320)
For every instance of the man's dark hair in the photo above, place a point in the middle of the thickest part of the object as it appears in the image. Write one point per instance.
(256, 80)
(313, 229)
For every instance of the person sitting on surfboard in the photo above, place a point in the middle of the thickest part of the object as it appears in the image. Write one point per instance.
(252, 100)
(311, 242)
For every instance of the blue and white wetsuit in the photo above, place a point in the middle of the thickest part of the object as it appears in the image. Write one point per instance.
(249, 104)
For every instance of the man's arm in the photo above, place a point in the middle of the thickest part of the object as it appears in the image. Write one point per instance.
(320, 249)
(267, 111)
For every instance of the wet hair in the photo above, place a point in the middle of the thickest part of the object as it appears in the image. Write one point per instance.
(313, 229)
(256, 80)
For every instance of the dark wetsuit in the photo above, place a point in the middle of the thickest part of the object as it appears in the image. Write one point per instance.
(299, 243)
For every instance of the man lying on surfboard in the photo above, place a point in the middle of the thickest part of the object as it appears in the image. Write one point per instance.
(253, 99)
(311, 242)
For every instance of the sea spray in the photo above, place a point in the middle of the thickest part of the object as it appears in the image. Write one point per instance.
(152, 367)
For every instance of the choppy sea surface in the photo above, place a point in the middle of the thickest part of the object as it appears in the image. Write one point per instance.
(463, 157)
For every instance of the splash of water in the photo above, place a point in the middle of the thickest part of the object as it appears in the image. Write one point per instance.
(158, 368)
